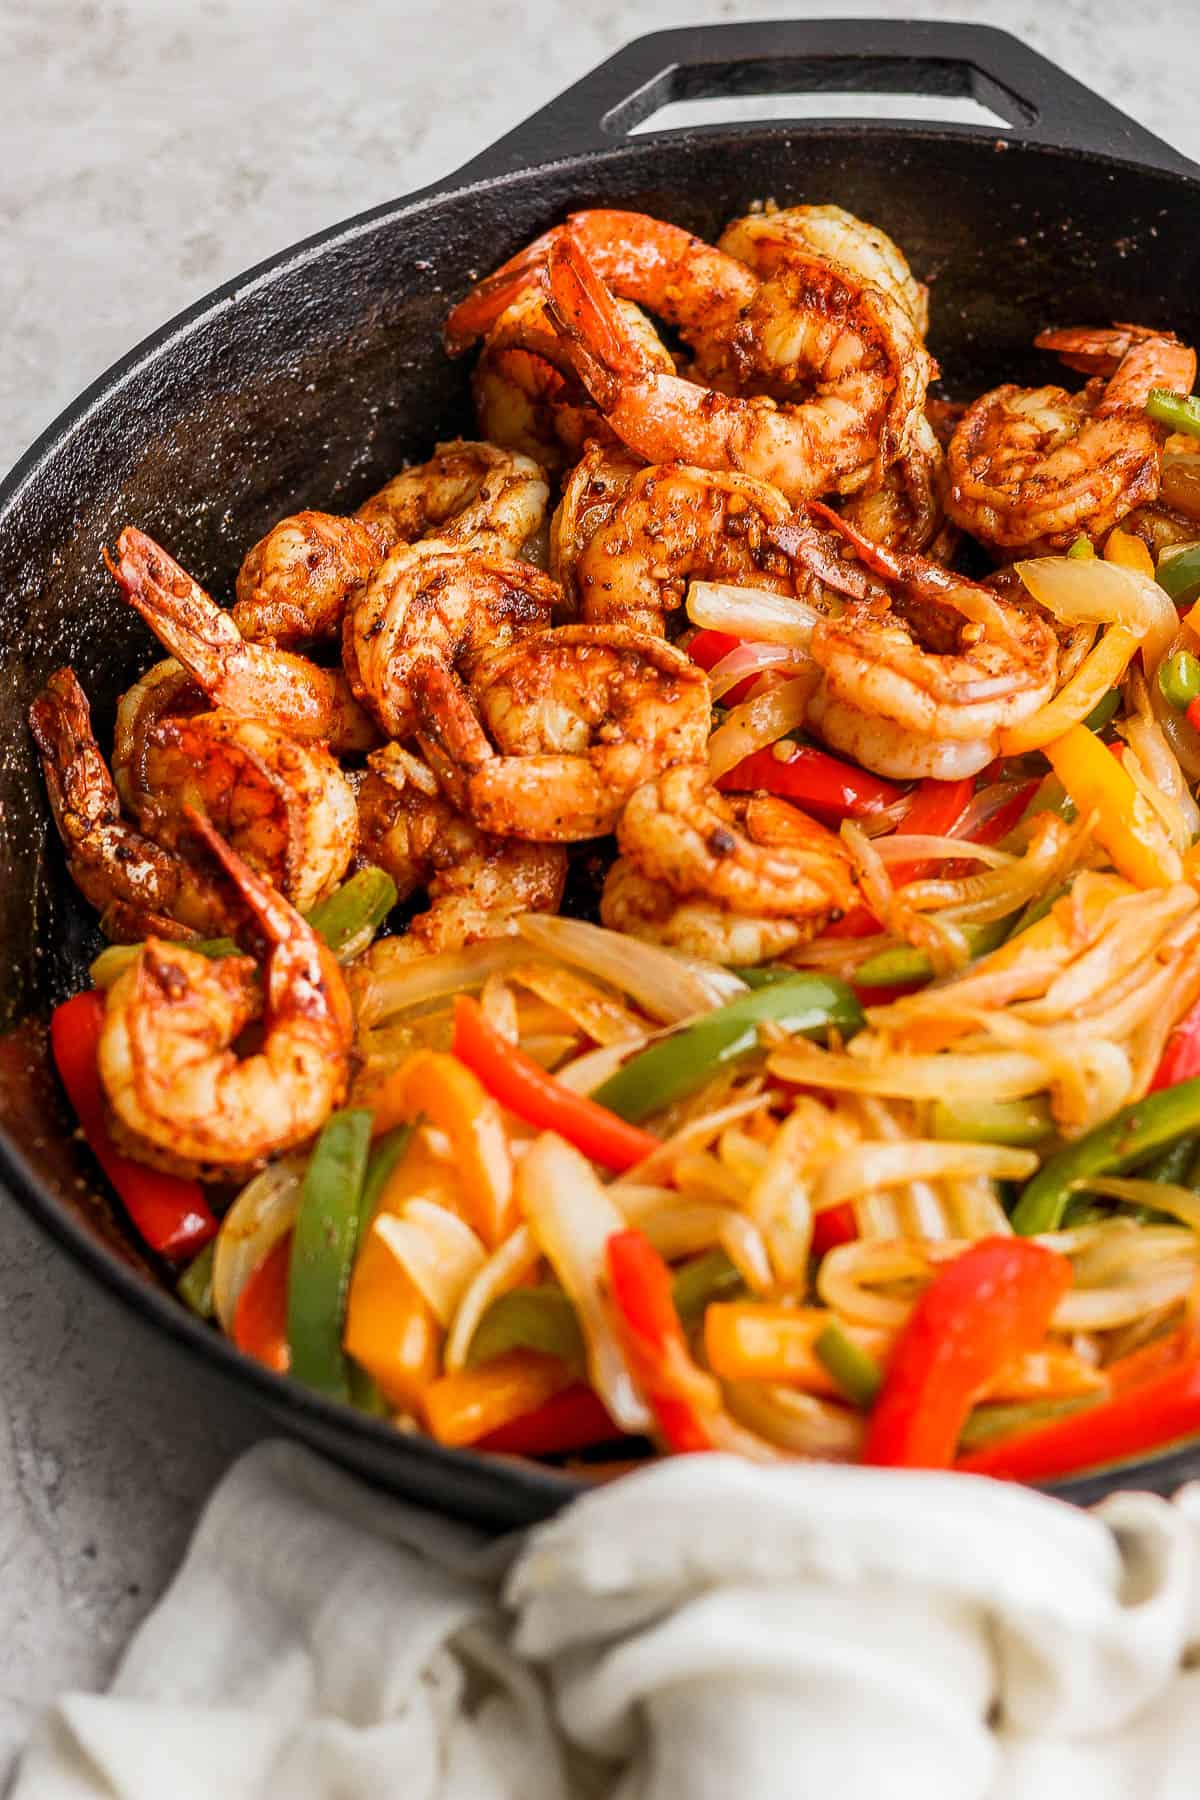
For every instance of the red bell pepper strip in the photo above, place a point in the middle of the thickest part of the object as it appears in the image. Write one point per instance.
(1139, 1419)
(1180, 1061)
(813, 779)
(573, 1420)
(835, 1225)
(982, 1310)
(641, 1291)
(260, 1318)
(1005, 817)
(170, 1213)
(524, 1087)
(936, 806)
(710, 647)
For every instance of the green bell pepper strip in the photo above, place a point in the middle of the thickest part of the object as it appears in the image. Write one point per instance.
(1171, 1164)
(1129, 1137)
(386, 1152)
(987, 1424)
(1179, 412)
(323, 1243)
(1038, 909)
(765, 975)
(904, 963)
(702, 1280)
(854, 1370)
(1082, 547)
(365, 1397)
(1179, 680)
(530, 1318)
(1104, 711)
(347, 921)
(194, 1286)
(981, 1121)
(1179, 572)
(808, 1005)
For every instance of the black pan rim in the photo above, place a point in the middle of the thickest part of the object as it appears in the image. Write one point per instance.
(544, 1486)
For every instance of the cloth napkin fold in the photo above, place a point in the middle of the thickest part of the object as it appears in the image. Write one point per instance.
(702, 1630)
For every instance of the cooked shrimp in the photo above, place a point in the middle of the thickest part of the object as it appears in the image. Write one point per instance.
(248, 679)
(674, 524)
(578, 718)
(477, 884)
(668, 271)
(180, 1095)
(165, 691)
(758, 857)
(1029, 469)
(293, 586)
(283, 805)
(906, 512)
(835, 236)
(137, 885)
(810, 324)
(433, 610)
(589, 496)
(921, 679)
(646, 909)
(472, 494)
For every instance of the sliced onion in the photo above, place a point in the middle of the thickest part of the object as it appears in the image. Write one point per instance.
(1001, 1075)
(583, 1074)
(745, 612)
(1157, 755)
(509, 1264)
(572, 1218)
(1087, 590)
(263, 1212)
(391, 979)
(916, 847)
(1180, 485)
(985, 806)
(664, 983)
(866, 1167)
(1163, 1196)
(802, 1424)
(604, 1018)
(758, 723)
(439, 1252)
(749, 659)
(851, 1274)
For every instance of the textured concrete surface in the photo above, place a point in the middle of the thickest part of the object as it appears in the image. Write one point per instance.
(147, 151)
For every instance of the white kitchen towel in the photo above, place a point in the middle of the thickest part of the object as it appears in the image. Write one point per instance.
(704, 1630)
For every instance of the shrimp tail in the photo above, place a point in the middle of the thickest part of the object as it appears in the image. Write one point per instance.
(475, 315)
(599, 344)
(901, 566)
(1091, 350)
(184, 619)
(278, 920)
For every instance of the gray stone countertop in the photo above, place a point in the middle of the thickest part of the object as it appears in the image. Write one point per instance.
(148, 150)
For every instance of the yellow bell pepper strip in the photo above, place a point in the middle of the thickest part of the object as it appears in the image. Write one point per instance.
(756, 1340)
(980, 1311)
(1091, 683)
(324, 1240)
(391, 1330)
(1126, 824)
(472, 1403)
(1131, 1136)
(855, 1373)
(527, 1090)
(1128, 551)
(451, 1096)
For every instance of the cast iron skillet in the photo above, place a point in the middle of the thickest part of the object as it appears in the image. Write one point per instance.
(311, 379)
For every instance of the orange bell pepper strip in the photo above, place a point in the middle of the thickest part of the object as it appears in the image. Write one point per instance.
(436, 1084)
(260, 1316)
(573, 1420)
(1136, 1420)
(753, 1340)
(678, 1393)
(525, 1088)
(391, 1330)
(1096, 676)
(169, 1212)
(1128, 552)
(1126, 824)
(980, 1311)
(471, 1404)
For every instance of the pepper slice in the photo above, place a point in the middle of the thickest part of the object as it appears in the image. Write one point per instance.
(529, 1318)
(1180, 1060)
(573, 1420)
(982, 1310)
(475, 1403)
(641, 1291)
(1142, 1418)
(808, 1005)
(1127, 1138)
(168, 1212)
(854, 1370)
(1178, 412)
(524, 1087)
(811, 778)
(260, 1317)
(1179, 572)
(325, 1236)
(697, 1284)
(1126, 824)
(903, 965)
(195, 1285)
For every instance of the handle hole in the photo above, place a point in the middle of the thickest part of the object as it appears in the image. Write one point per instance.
(841, 86)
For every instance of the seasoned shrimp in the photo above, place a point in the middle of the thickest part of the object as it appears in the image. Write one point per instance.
(674, 524)
(293, 586)
(283, 805)
(1029, 469)
(472, 494)
(906, 512)
(759, 857)
(809, 325)
(427, 616)
(578, 717)
(647, 909)
(248, 679)
(835, 236)
(589, 497)
(920, 679)
(180, 1095)
(137, 885)
(476, 884)
(165, 691)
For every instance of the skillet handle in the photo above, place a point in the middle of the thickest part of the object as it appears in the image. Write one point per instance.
(1041, 103)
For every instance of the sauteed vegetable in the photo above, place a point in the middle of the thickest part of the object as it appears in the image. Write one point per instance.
(677, 926)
